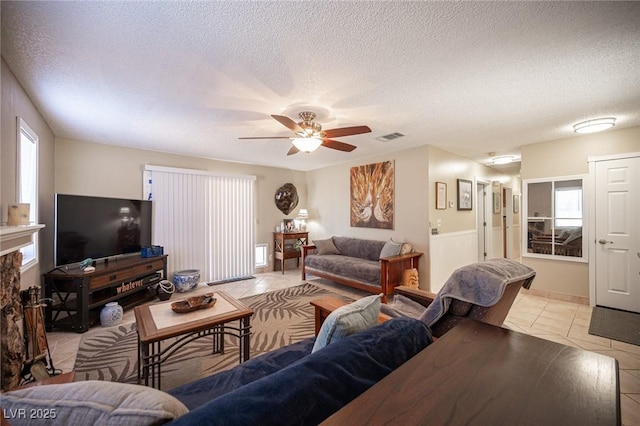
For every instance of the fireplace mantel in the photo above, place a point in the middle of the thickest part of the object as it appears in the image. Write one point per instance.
(13, 238)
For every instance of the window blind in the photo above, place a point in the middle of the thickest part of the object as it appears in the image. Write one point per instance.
(203, 220)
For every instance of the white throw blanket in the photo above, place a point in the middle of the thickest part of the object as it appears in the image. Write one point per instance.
(479, 283)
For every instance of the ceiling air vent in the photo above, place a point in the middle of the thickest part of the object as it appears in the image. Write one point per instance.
(390, 137)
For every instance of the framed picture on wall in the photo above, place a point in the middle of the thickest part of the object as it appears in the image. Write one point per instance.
(441, 196)
(465, 195)
(496, 203)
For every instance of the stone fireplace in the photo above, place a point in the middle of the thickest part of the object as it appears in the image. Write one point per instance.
(12, 346)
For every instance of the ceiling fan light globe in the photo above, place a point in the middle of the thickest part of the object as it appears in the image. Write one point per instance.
(307, 144)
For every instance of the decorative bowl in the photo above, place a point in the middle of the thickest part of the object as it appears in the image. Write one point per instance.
(186, 280)
(194, 303)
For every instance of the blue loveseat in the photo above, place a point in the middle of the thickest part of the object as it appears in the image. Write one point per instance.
(294, 386)
(288, 386)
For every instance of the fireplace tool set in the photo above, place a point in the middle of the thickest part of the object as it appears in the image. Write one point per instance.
(38, 362)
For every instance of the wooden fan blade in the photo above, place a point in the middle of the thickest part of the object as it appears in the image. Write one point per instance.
(346, 131)
(266, 137)
(287, 122)
(293, 150)
(340, 146)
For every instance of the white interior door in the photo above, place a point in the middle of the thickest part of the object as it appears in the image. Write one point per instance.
(481, 225)
(617, 233)
(507, 214)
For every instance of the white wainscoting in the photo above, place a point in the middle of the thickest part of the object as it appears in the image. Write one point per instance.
(449, 252)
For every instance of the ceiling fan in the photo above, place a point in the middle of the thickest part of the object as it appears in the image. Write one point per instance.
(309, 134)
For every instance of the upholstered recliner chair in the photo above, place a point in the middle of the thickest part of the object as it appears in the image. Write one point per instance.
(482, 291)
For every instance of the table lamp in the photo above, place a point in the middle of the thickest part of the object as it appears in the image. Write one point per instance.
(302, 217)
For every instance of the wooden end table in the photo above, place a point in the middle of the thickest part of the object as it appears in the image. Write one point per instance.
(323, 306)
(157, 322)
(282, 251)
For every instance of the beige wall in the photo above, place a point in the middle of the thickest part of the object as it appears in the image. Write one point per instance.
(84, 168)
(416, 171)
(456, 243)
(328, 196)
(567, 157)
(448, 168)
(16, 103)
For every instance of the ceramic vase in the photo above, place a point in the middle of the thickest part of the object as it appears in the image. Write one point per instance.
(111, 314)
(165, 289)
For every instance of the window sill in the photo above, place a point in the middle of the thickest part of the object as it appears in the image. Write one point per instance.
(582, 259)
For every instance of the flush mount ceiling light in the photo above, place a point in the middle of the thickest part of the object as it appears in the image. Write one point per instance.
(503, 159)
(596, 125)
(307, 144)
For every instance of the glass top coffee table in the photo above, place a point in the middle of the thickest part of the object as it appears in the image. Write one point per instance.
(157, 323)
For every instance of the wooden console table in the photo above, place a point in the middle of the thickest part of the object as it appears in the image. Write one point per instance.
(480, 374)
(78, 297)
(283, 250)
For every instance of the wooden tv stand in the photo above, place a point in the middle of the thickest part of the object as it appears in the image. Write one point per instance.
(78, 297)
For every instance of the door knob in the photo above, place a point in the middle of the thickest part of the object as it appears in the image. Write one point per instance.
(603, 241)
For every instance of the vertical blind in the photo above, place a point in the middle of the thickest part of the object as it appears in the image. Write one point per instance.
(204, 221)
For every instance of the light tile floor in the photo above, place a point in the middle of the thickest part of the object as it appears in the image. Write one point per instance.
(561, 322)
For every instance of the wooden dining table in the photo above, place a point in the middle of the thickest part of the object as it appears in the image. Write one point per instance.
(479, 374)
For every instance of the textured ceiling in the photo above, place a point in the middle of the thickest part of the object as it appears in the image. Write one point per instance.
(191, 78)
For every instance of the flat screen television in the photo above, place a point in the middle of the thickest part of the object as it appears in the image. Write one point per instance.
(99, 227)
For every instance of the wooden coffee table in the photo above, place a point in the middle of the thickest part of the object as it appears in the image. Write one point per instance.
(157, 322)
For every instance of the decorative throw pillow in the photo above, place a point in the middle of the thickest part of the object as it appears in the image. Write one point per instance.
(406, 248)
(391, 248)
(325, 247)
(95, 402)
(348, 319)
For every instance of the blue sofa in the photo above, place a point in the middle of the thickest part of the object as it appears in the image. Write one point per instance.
(294, 386)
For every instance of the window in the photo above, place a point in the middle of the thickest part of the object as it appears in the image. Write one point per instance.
(555, 218)
(28, 185)
(568, 207)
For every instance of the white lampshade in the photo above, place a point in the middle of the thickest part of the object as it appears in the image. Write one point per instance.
(592, 126)
(307, 144)
(303, 214)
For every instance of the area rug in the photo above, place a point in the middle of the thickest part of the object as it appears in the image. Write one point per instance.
(615, 324)
(280, 317)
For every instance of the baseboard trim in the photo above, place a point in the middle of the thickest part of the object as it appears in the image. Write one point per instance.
(580, 300)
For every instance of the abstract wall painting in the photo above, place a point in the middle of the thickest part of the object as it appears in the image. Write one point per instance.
(372, 195)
